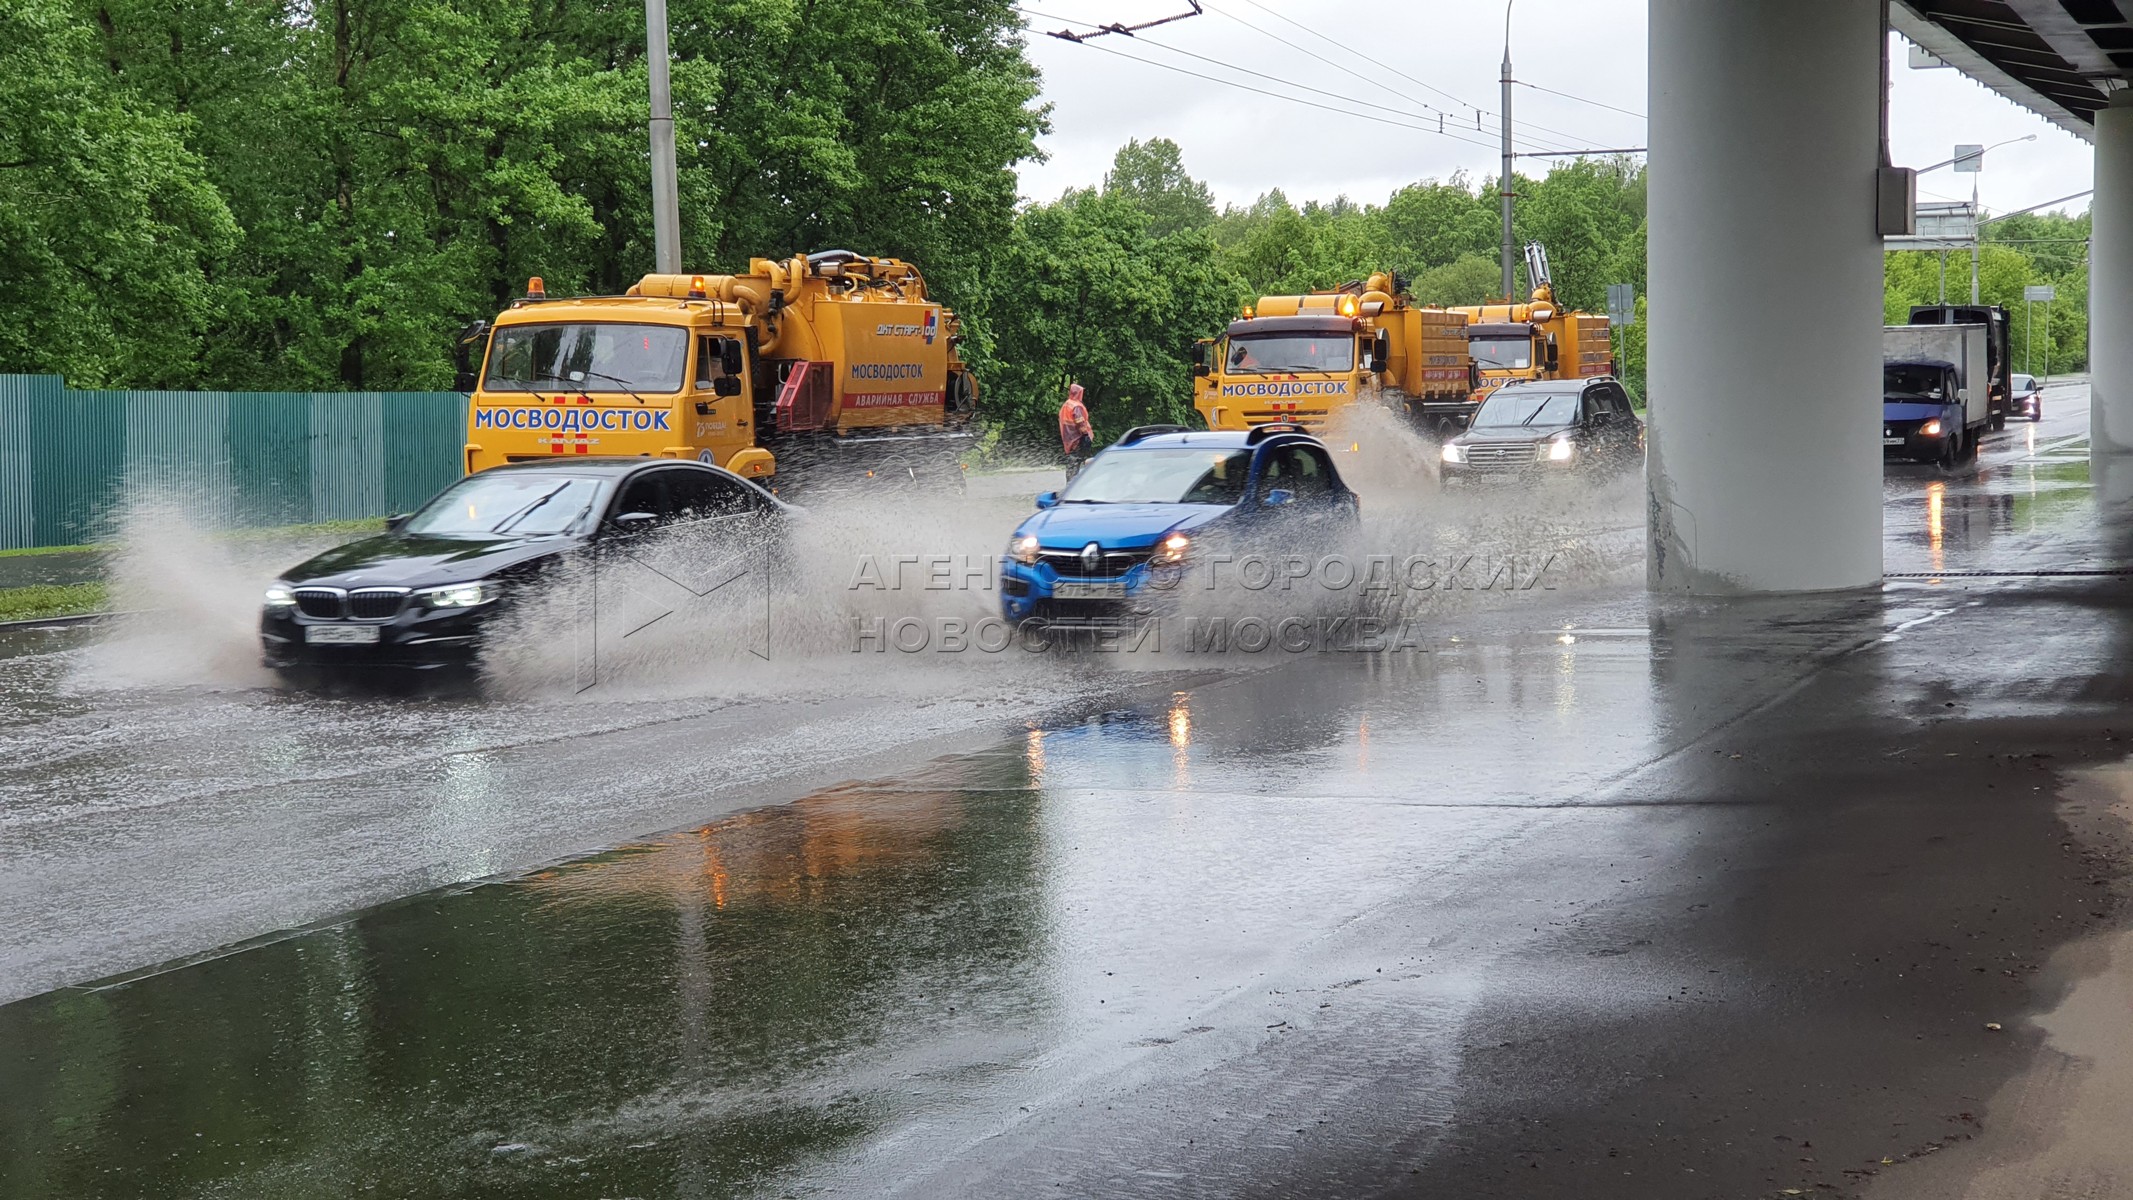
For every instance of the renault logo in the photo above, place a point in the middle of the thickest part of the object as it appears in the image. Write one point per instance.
(1092, 558)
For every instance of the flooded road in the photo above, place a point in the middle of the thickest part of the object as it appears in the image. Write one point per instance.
(1582, 895)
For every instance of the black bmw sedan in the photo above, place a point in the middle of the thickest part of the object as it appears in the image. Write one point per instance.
(1547, 427)
(421, 593)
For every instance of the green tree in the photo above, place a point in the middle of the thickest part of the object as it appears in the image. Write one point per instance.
(1100, 299)
(1152, 175)
(109, 227)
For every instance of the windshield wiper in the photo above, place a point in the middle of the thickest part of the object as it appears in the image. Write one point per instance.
(552, 377)
(527, 511)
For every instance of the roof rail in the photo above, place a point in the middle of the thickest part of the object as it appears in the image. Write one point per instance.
(1261, 433)
(1143, 432)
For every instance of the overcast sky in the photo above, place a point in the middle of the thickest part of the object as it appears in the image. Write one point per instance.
(1243, 144)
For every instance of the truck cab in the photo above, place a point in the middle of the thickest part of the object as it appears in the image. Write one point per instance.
(1302, 358)
(1922, 401)
(636, 376)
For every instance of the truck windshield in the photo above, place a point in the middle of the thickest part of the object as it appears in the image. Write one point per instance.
(509, 504)
(587, 358)
(1496, 354)
(1290, 354)
(1509, 409)
(1170, 475)
(1923, 383)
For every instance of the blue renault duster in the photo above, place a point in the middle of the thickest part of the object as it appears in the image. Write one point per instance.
(1135, 517)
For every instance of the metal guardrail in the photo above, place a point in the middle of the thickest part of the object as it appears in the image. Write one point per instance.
(70, 460)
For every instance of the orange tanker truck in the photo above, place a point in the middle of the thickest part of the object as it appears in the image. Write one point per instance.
(1303, 358)
(831, 364)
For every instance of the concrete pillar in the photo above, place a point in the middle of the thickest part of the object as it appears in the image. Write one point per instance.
(1764, 362)
(2111, 282)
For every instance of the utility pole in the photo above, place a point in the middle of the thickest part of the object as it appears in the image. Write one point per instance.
(666, 193)
(1510, 244)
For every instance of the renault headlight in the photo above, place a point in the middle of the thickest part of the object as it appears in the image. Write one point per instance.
(280, 598)
(1454, 453)
(1024, 549)
(1171, 550)
(458, 595)
(1561, 449)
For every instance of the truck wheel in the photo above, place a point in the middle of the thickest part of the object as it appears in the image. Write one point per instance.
(1951, 452)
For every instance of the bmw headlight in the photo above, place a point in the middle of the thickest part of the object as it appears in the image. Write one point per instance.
(280, 598)
(1561, 449)
(1024, 549)
(1171, 550)
(458, 595)
(1454, 453)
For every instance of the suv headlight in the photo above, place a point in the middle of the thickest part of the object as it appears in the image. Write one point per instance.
(1171, 550)
(458, 595)
(280, 598)
(1024, 549)
(1454, 453)
(1561, 449)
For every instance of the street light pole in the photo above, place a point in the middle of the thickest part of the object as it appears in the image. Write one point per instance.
(1976, 238)
(666, 194)
(1510, 245)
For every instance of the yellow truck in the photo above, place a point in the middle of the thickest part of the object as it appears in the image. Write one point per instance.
(829, 362)
(1537, 339)
(1302, 358)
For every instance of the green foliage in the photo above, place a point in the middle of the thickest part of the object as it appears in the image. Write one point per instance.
(1101, 299)
(316, 195)
(108, 224)
(2019, 252)
(1151, 175)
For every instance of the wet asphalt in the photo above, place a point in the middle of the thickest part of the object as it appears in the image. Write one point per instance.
(1583, 894)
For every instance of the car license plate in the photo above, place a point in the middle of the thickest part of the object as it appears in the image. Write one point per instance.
(1889, 441)
(341, 635)
(1090, 591)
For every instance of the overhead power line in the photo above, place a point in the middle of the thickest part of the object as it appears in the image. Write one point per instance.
(1285, 82)
(1440, 129)
(1580, 99)
(1346, 112)
(1461, 102)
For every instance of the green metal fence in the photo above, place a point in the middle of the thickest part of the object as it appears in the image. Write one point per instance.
(70, 460)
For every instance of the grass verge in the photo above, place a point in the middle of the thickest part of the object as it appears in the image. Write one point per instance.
(46, 600)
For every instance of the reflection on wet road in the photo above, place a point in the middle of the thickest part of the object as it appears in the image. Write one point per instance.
(1280, 930)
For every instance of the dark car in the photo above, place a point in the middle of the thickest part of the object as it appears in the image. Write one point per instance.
(1543, 427)
(1156, 500)
(421, 593)
(2027, 399)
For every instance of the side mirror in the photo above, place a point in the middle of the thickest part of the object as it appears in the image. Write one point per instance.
(394, 521)
(1279, 498)
(1381, 351)
(467, 364)
(732, 356)
(1554, 358)
(1048, 500)
(633, 522)
(726, 385)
